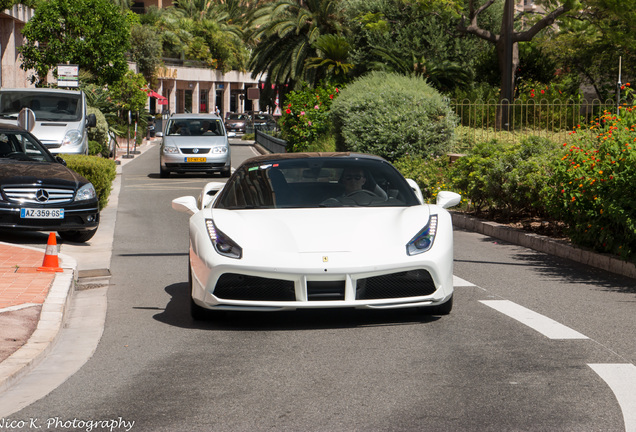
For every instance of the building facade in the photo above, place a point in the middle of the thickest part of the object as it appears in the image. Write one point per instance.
(181, 89)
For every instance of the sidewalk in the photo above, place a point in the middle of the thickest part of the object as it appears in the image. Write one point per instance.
(32, 308)
(33, 305)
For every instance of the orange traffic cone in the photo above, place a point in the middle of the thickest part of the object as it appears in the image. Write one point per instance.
(51, 263)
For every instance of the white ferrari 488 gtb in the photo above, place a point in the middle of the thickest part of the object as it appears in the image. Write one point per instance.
(318, 230)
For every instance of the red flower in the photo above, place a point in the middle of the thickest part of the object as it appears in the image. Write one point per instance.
(288, 111)
(330, 96)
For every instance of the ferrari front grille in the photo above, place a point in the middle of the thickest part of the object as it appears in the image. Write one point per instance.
(39, 195)
(330, 290)
(231, 286)
(412, 283)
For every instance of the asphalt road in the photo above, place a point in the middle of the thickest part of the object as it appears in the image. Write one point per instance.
(477, 369)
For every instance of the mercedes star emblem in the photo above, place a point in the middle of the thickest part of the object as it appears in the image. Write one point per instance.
(41, 195)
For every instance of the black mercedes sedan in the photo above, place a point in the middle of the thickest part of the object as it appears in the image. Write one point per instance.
(39, 193)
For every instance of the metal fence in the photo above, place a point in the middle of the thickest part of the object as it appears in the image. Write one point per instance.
(274, 145)
(553, 119)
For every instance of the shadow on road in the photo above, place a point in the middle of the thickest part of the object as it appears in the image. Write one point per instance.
(562, 269)
(177, 313)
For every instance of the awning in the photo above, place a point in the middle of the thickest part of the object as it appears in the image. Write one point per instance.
(160, 99)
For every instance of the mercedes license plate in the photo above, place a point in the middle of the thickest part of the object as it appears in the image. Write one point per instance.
(28, 213)
(195, 159)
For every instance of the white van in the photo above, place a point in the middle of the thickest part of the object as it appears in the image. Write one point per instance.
(61, 120)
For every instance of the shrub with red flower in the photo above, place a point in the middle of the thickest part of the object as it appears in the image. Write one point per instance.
(592, 183)
(306, 118)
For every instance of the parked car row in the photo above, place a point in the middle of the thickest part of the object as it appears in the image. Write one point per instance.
(240, 123)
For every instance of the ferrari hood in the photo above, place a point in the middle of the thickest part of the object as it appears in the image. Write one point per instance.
(322, 230)
(44, 173)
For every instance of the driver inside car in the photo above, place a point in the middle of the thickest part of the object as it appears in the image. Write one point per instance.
(352, 179)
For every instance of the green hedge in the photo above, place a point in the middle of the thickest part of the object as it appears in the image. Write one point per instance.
(392, 116)
(98, 135)
(99, 171)
(506, 178)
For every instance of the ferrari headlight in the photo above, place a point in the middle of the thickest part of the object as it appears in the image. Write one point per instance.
(423, 241)
(223, 244)
(86, 192)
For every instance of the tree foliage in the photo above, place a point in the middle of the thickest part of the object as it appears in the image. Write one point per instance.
(589, 44)
(93, 34)
(203, 32)
(145, 50)
(412, 39)
(512, 32)
(285, 34)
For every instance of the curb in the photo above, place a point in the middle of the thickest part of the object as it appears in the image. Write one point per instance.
(54, 310)
(544, 244)
(52, 318)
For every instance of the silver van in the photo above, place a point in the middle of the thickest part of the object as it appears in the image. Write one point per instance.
(61, 120)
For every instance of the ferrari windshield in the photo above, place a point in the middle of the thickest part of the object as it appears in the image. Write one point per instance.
(16, 145)
(317, 182)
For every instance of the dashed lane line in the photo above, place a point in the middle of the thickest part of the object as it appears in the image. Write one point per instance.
(544, 325)
(459, 282)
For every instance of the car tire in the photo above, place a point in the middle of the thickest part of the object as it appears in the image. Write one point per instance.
(226, 173)
(77, 236)
(163, 173)
(442, 309)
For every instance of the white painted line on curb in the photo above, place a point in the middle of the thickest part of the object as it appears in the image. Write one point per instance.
(621, 378)
(544, 325)
(459, 282)
(19, 307)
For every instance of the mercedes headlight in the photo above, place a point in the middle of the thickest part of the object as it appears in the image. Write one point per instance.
(86, 192)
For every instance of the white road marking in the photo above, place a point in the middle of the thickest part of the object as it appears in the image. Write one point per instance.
(19, 307)
(459, 282)
(621, 378)
(544, 325)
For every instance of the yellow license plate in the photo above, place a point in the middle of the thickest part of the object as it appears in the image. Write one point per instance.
(195, 159)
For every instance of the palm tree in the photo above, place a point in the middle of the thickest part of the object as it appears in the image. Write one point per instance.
(201, 30)
(285, 32)
(334, 53)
